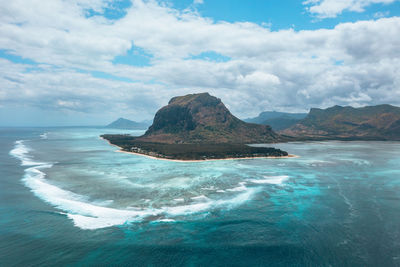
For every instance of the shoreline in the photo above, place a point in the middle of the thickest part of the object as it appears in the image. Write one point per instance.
(194, 160)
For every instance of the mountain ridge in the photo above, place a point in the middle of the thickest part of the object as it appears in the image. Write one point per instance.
(122, 123)
(277, 120)
(380, 122)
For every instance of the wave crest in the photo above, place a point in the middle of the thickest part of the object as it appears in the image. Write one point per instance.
(91, 215)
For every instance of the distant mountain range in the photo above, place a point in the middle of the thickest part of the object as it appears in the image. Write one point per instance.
(199, 126)
(277, 120)
(202, 118)
(380, 122)
(122, 123)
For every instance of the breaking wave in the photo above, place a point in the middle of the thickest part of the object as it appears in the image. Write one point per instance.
(277, 180)
(91, 215)
(44, 135)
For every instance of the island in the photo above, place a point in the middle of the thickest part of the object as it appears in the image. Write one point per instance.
(122, 123)
(199, 127)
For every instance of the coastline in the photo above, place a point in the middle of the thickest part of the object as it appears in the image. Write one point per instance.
(193, 160)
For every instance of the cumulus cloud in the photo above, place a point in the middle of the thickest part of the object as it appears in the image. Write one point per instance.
(351, 64)
(332, 8)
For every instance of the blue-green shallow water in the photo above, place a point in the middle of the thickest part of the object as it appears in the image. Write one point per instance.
(75, 201)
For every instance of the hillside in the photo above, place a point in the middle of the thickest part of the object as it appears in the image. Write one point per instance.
(202, 118)
(380, 122)
(122, 123)
(277, 120)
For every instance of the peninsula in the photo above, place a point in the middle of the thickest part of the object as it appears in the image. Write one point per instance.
(199, 127)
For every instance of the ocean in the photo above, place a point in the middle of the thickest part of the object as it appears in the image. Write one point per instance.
(67, 198)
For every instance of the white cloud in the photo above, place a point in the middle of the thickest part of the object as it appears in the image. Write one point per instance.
(332, 8)
(258, 79)
(285, 70)
(380, 14)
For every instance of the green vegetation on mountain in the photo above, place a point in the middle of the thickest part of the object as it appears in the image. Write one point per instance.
(191, 151)
(199, 127)
(202, 118)
(277, 120)
(380, 122)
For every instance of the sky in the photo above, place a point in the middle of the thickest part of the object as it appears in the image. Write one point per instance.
(89, 62)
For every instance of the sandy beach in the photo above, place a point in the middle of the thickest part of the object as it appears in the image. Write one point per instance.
(191, 160)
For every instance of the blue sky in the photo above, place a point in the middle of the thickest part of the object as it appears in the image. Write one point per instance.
(88, 62)
(281, 14)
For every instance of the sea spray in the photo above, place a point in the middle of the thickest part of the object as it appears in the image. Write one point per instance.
(91, 215)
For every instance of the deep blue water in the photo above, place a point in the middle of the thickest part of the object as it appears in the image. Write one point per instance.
(67, 198)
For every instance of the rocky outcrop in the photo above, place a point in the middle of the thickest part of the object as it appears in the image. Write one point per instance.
(202, 118)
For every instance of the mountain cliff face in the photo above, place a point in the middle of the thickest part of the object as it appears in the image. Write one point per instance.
(380, 122)
(202, 118)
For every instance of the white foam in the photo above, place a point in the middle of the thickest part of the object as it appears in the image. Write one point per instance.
(88, 216)
(85, 215)
(277, 180)
(315, 163)
(211, 188)
(241, 187)
(21, 152)
(166, 220)
(200, 198)
(179, 199)
(92, 215)
(201, 207)
(103, 202)
(44, 136)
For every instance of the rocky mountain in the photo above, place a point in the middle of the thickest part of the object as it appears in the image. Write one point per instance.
(380, 122)
(202, 118)
(122, 123)
(277, 120)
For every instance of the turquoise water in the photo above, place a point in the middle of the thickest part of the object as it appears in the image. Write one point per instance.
(68, 198)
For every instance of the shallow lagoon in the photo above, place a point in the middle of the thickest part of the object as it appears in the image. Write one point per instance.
(75, 201)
